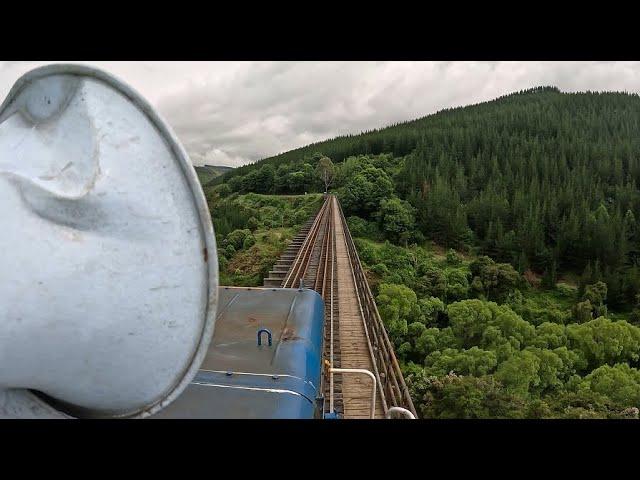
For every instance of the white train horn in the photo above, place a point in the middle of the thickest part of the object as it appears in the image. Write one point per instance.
(108, 265)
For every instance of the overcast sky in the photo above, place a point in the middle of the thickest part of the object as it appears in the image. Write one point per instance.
(230, 113)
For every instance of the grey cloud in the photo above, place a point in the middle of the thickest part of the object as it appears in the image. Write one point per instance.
(230, 113)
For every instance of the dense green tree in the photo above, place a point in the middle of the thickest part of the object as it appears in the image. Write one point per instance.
(248, 242)
(326, 171)
(596, 295)
(455, 396)
(550, 276)
(549, 335)
(235, 183)
(431, 310)
(236, 238)
(224, 190)
(453, 258)
(551, 370)
(473, 361)
(264, 181)
(397, 219)
(469, 320)
(431, 281)
(362, 193)
(433, 339)
(512, 327)
(398, 307)
(494, 280)
(520, 372)
(457, 284)
(620, 382)
(359, 227)
(252, 223)
(602, 341)
(583, 311)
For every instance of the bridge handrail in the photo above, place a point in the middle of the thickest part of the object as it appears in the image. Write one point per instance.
(392, 384)
(361, 371)
(402, 411)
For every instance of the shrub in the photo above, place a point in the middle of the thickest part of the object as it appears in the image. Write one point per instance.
(453, 258)
(249, 241)
(236, 238)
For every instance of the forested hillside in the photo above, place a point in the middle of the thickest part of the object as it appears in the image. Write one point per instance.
(206, 173)
(500, 241)
(544, 180)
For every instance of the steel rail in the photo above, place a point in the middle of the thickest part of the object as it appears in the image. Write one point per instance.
(325, 222)
(321, 273)
(301, 262)
(324, 275)
(298, 261)
(302, 257)
(323, 226)
(317, 249)
(333, 268)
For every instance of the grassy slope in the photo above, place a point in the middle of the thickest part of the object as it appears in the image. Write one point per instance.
(248, 267)
(279, 219)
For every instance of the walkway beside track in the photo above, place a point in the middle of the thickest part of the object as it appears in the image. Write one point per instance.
(354, 347)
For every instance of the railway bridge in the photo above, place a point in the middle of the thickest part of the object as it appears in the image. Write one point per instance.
(362, 377)
(109, 308)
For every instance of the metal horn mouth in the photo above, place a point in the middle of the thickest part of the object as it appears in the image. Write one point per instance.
(108, 284)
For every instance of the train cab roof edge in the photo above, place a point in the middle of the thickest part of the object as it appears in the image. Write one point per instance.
(264, 360)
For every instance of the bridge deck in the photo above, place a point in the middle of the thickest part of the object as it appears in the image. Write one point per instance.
(356, 389)
(323, 257)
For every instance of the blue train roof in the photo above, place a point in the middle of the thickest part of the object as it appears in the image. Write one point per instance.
(241, 379)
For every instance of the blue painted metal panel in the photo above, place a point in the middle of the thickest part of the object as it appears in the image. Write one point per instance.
(240, 378)
(216, 402)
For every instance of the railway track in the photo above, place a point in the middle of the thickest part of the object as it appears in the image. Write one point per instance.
(323, 257)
